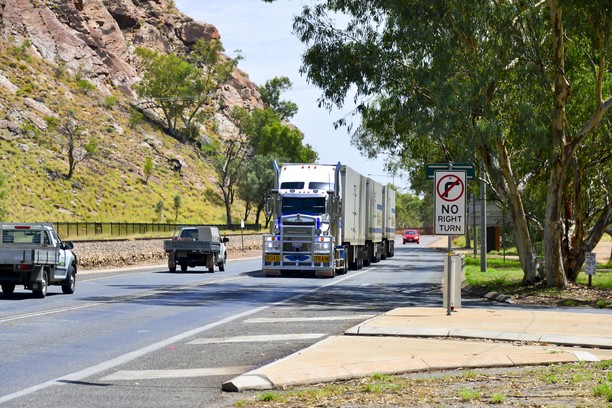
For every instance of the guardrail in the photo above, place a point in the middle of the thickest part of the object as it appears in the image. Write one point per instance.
(73, 230)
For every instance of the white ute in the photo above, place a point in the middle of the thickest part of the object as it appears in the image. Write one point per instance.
(33, 255)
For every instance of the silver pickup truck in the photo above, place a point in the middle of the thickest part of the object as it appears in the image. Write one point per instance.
(33, 255)
(196, 246)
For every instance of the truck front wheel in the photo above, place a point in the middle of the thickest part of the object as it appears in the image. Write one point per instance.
(8, 288)
(43, 285)
(70, 282)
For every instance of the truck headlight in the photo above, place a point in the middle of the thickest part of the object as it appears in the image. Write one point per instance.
(272, 246)
(322, 246)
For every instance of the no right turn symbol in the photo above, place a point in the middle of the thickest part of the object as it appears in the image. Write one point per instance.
(450, 188)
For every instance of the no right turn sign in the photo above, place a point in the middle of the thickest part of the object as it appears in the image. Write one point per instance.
(449, 194)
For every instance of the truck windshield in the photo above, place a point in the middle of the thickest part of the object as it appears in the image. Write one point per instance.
(310, 206)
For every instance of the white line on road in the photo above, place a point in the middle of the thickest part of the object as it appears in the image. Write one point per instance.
(263, 338)
(184, 373)
(307, 319)
(125, 358)
(116, 299)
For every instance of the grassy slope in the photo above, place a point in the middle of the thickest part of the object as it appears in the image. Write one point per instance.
(108, 187)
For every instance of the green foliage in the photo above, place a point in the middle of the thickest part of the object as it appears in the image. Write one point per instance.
(159, 209)
(270, 95)
(135, 117)
(109, 101)
(148, 169)
(29, 129)
(497, 398)
(269, 396)
(20, 52)
(85, 86)
(475, 82)
(52, 123)
(603, 390)
(3, 212)
(177, 203)
(411, 211)
(468, 394)
(183, 90)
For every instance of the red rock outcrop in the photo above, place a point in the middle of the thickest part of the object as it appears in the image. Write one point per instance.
(97, 38)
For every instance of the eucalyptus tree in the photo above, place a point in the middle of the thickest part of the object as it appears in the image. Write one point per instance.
(269, 139)
(466, 81)
(184, 88)
(270, 95)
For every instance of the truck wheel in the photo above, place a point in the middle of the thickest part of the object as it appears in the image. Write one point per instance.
(172, 269)
(8, 288)
(183, 267)
(222, 263)
(70, 282)
(211, 269)
(44, 284)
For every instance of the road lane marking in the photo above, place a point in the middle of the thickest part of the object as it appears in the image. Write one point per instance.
(307, 319)
(133, 355)
(117, 299)
(262, 338)
(127, 375)
(48, 312)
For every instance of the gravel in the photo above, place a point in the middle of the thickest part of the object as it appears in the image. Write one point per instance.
(117, 253)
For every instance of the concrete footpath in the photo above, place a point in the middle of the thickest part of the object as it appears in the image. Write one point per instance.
(420, 339)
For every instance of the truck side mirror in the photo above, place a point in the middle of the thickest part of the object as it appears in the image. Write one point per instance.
(225, 239)
(67, 245)
(267, 209)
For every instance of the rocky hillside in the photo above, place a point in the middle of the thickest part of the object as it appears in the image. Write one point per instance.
(64, 60)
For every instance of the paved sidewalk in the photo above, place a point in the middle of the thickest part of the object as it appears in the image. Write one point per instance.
(420, 339)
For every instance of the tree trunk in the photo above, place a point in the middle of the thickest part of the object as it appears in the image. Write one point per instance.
(553, 228)
(576, 257)
(524, 245)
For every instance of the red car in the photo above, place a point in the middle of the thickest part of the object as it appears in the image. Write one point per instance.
(411, 236)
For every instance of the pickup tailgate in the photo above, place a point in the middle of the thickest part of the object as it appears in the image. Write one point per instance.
(15, 256)
(182, 245)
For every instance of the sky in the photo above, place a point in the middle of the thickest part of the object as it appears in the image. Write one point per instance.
(263, 34)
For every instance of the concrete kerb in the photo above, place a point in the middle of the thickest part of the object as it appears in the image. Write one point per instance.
(395, 355)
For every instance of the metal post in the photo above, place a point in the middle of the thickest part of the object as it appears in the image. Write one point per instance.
(449, 272)
(475, 230)
(449, 276)
(483, 225)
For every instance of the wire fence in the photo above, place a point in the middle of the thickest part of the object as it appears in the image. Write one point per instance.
(85, 230)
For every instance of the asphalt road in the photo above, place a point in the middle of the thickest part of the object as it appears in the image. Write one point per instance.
(147, 337)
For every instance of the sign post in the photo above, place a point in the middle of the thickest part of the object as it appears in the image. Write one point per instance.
(450, 191)
(241, 232)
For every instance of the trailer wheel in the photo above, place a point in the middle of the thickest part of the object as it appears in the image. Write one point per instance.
(8, 288)
(70, 282)
(44, 285)
(172, 269)
(183, 267)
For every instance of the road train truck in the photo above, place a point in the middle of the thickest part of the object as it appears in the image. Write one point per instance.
(320, 220)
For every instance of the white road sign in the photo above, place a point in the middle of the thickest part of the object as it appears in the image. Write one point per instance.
(450, 196)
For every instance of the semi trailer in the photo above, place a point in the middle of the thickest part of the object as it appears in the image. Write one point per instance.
(327, 219)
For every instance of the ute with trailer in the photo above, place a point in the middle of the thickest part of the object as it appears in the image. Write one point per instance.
(196, 246)
(33, 255)
(326, 219)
